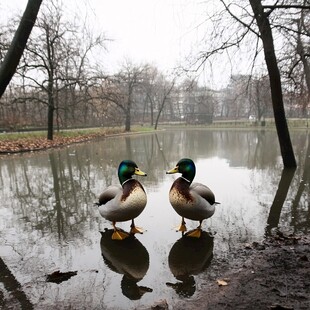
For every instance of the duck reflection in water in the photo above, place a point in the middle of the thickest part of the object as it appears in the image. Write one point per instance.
(188, 257)
(129, 258)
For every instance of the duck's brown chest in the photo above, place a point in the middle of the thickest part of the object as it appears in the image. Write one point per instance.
(179, 194)
(133, 194)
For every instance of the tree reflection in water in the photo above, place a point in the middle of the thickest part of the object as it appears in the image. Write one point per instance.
(276, 207)
(300, 212)
(300, 218)
(14, 288)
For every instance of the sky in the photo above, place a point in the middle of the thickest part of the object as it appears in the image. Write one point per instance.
(160, 32)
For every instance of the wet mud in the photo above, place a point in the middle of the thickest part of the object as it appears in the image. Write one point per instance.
(273, 274)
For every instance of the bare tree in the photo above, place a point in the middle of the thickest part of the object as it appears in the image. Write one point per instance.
(12, 58)
(259, 97)
(261, 17)
(54, 63)
(150, 89)
(236, 102)
(121, 88)
(166, 89)
(295, 64)
(158, 89)
(257, 24)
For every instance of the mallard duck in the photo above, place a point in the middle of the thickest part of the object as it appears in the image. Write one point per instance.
(193, 201)
(120, 203)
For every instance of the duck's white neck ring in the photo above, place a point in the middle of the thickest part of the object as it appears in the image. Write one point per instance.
(185, 179)
(126, 181)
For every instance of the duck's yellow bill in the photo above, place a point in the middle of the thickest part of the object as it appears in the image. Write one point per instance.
(139, 172)
(174, 170)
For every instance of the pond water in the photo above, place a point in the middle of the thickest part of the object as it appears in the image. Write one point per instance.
(48, 222)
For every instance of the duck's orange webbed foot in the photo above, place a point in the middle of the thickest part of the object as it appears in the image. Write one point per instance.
(134, 229)
(195, 233)
(118, 234)
(182, 226)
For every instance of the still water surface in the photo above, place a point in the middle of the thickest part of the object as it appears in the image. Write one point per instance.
(48, 221)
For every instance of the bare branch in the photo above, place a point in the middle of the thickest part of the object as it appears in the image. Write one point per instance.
(286, 6)
(248, 26)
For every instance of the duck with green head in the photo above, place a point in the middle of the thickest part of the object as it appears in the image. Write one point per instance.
(194, 201)
(120, 203)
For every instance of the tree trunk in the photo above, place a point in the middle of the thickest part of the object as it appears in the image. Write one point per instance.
(164, 100)
(50, 110)
(18, 44)
(127, 121)
(275, 84)
(151, 108)
(128, 108)
(50, 121)
(157, 119)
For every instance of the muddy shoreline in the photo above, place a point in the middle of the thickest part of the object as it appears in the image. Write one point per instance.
(273, 274)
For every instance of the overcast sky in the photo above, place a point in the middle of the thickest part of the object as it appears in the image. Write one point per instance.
(162, 32)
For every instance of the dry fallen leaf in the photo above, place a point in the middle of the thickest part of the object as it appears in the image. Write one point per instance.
(221, 282)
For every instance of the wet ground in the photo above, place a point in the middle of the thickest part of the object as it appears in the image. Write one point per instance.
(273, 274)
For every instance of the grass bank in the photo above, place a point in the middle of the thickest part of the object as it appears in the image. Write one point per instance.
(17, 142)
(71, 133)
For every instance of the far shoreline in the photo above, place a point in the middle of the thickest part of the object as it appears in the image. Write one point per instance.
(33, 141)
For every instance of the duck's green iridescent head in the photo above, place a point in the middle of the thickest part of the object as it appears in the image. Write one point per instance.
(126, 169)
(185, 166)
